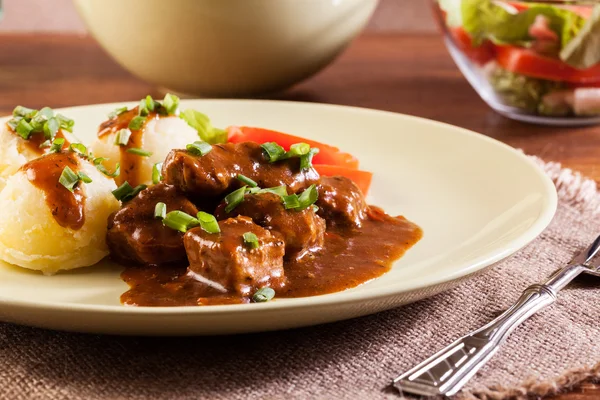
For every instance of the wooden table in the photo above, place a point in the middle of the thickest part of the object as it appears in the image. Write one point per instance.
(405, 74)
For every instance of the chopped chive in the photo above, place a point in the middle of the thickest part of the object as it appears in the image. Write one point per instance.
(278, 190)
(250, 240)
(306, 159)
(297, 150)
(160, 210)
(171, 103)
(234, 198)
(68, 178)
(291, 201)
(272, 151)
(79, 148)
(65, 123)
(13, 122)
(199, 148)
(47, 112)
(98, 163)
(139, 152)
(38, 121)
(57, 145)
(208, 222)
(247, 181)
(45, 144)
(84, 178)
(150, 103)
(263, 294)
(308, 198)
(179, 221)
(125, 192)
(156, 173)
(315, 208)
(21, 111)
(253, 190)
(122, 137)
(51, 128)
(143, 108)
(117, 112)
(24, 129)
(136, 123)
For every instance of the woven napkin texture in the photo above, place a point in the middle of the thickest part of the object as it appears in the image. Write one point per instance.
(353, 359)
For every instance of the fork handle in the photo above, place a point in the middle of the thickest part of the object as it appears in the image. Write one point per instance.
(448, 370)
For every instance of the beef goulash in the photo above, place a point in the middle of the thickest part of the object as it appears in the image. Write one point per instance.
(245, 222)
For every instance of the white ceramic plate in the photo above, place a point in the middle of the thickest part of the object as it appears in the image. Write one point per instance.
(477, 200)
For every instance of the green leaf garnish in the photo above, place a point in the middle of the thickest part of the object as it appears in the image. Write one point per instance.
(202, 124)
(263, 294)
(208, 222)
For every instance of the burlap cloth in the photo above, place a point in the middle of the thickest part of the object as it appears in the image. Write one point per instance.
(353, 359)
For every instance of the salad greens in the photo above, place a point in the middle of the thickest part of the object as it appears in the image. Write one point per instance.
(485, 19)
(584, 50)
(202, 124)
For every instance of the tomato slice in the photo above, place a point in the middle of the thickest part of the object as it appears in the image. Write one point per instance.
(327, 154)
(361, 178)
(529, 63)
(479, 54)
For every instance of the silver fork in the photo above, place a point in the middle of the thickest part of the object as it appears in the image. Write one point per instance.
(446, 372)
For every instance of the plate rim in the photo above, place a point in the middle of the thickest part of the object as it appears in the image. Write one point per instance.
(344, 297)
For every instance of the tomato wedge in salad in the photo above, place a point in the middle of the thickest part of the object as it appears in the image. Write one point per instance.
(479, 54)
(329, 155)
(361, 178)
(529, 63)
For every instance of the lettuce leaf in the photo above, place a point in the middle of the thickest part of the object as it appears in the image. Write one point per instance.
(584, 50)
(202, 124)
(452, 9)
(484, 19)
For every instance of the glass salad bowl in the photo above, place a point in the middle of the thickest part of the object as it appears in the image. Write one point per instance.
(537, 61)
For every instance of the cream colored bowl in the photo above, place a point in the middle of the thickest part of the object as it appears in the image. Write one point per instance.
(224, 47)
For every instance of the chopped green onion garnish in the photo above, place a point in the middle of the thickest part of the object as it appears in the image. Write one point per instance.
(137, 123)
(273, 151)
(250, 240)
(291, 201)
(278, 190)
(150, 103)
(306, 159)
(47, 112)
(179, 221)
(247, 181)
(84, 178)
(308, 197)
(234, 198)
(38, 121)
(315, 208)
(45, 144)
(125, 192)
(208, 222)
(139, 152)
(68, 178)
(79, 148)
(24, 129)
(21, 111)
(263, 294)
(143, 108)
(98, 163)
(199, 148)
(122, 137)
(156, 173)
(51, 128)
(117, 112)
(65, 123)
(297, 150)
(13, 122)
(57, 145)
(160, 211)
(171, 103)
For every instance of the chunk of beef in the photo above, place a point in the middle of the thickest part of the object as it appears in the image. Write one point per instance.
(215, 174)
(341, 202)
(302, 231)
(134, 235)
(226, 261)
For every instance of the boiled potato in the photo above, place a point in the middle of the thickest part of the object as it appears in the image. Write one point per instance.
(31, 238)
(160, 137)
(14, 152)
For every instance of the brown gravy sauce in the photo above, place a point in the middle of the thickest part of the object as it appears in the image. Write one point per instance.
(348, 259)
(36, 139)
(44, 172)
(130, 163)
